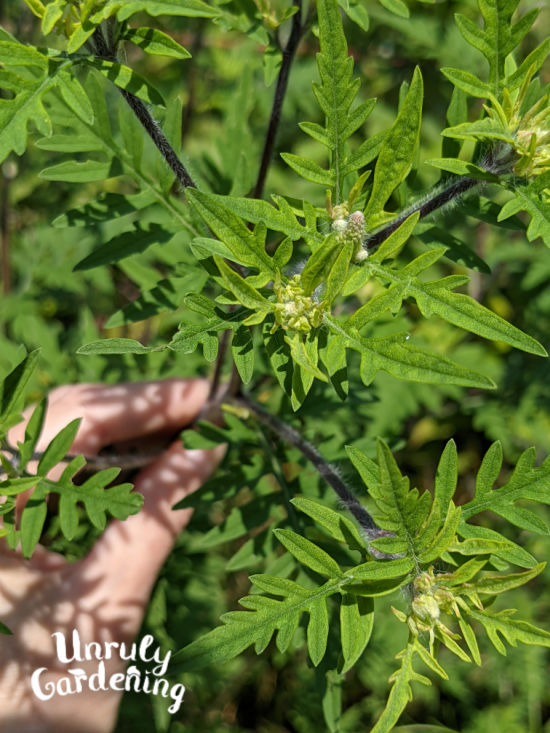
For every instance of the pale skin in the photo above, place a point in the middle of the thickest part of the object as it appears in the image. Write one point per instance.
(105, 594)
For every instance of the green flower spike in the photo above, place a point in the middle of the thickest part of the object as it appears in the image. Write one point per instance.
(294, 310)
(530, 130)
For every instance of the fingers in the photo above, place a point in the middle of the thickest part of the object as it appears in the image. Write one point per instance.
(114, 413)
(126, 411)
(41, 560)
(118, 574)
(125, 561)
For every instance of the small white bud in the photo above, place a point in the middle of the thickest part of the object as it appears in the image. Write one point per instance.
(339, 225)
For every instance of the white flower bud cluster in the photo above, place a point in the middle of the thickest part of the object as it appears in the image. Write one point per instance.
(296, 311)
(350, 229)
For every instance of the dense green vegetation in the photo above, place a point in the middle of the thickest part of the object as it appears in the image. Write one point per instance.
(371, 268)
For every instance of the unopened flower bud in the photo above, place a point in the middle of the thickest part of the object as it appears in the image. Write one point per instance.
(296, 311)
(426, 608)
(339, 226)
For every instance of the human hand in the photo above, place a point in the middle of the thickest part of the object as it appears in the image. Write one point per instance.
(104, 595)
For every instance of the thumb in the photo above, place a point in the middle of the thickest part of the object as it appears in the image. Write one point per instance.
(125, 561)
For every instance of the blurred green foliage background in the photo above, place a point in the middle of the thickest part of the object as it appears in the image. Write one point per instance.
(45, 303)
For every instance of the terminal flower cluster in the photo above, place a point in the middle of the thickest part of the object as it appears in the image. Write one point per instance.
(295, 311)
(429, 600)
(528, 131)
(532, 140)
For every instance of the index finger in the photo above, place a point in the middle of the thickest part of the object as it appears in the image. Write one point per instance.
(115, 413)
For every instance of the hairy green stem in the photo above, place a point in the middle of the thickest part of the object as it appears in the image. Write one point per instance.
(452, 191)
(158, 137)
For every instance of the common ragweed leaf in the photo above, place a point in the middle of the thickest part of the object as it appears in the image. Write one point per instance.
(397, 356)
(527, 482)
(244, 246)
(436, 298)
(93, 494)
(513, 630)
(415, 525)
(281, 219)
(335, 94)
(532, 198)
(499, 36)
(397, 152)
(258, 624)
(267, 615)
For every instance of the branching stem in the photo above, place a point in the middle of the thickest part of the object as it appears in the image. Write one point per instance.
(325, 470)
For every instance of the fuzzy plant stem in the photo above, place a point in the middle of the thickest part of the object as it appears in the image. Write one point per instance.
(325, 470)
(158, 137)
(280, 91)
(105, 51)
(454, 190)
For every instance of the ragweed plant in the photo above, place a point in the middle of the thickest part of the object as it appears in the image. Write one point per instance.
(309, 291)
(423, 543)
